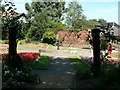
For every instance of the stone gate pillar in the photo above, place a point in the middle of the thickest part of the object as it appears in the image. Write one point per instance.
(96, 52)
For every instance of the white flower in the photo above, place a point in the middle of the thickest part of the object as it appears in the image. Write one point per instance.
(6, 72)
(16, 69)
(5, 66)
(22, 82)
(37, 59)
(18, 83)
(12, 75)
(117, 65)
(18, 72)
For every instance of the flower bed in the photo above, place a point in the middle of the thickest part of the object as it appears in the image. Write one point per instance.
(43, 47)
(26, 56)
(19, 76)
(4, 46)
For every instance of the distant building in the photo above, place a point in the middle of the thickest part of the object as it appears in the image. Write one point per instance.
(115, 28)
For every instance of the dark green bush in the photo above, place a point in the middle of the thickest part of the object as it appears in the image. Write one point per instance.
(109, 78)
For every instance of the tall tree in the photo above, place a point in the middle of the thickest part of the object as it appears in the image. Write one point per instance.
(102, 21)
(74, 15)
(4, 31)
(41, 14)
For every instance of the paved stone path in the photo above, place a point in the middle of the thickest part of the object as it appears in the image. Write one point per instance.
(60, 74)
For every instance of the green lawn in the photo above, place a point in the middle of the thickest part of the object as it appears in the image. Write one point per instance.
(41, 62)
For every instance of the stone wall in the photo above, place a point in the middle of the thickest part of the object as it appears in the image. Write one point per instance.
(73, 38)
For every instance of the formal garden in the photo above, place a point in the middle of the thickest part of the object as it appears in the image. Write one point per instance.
(38, 51)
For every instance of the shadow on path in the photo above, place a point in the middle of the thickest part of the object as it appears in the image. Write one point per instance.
(60, 74)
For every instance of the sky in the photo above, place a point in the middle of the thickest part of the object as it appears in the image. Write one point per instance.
(93, 9)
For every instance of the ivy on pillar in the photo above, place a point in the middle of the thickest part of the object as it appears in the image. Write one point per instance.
(11, 23)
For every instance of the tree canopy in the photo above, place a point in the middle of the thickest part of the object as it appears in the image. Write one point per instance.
(41, 16)
(74, 15)
(50, 16)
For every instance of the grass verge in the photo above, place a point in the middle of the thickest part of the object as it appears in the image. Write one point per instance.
(41, 62)
(108, 78)
(83, 70)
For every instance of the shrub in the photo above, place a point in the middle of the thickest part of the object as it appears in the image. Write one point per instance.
(0, 41)
(17, 77)
(21, 42)
(41, 62)
(4, 41)
(103, 44)
(49, 37)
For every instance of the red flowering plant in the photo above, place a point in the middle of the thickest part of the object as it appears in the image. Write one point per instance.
(26, 56)
(4, 56)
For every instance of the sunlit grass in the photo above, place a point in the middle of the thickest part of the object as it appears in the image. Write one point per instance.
(83, 70)
(41, 62)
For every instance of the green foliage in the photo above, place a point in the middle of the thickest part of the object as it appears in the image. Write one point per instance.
(103, 44)
(109, 77)
(4, 41)
(111, 73)
(17, 77)
(2, 7)
(49, 37)
(38, 27)
(40, 62)
(102, 21)
(9, 22)
(83, 70)
(55, 27)
(118, 39)
(41, 16)
(22, 33)
(74, 14)
(21, 42)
